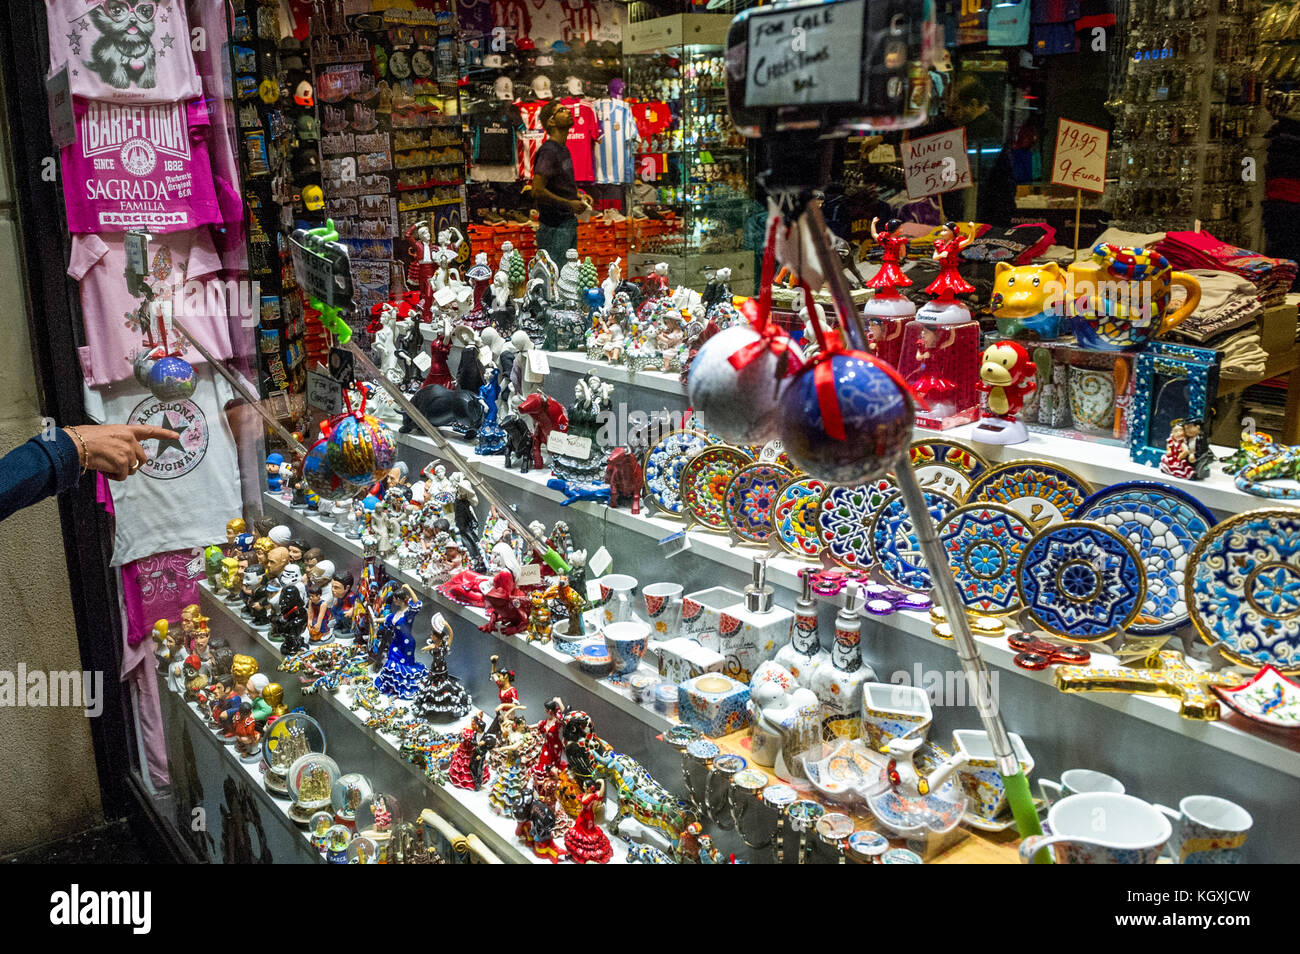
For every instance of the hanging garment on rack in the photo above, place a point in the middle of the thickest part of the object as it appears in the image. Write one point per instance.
(582, 139)
(617, 134)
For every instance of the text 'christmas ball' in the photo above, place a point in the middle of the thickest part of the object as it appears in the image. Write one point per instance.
(877, 418)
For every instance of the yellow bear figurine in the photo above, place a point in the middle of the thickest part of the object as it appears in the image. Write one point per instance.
(1029, 298)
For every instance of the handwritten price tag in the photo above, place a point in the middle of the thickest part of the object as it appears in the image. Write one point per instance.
(1080, 161)
(935, 164)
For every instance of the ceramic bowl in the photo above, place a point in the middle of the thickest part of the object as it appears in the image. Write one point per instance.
(891, 711)
(593, 659)
(626, 644)
(979, 777)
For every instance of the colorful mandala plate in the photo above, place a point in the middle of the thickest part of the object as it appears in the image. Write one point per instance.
(1243, 589)
(1081, 581)
(844, 520)
(947, 467)
(1163, 524)
(984, 543)
(893, 542)
(750, 502)
(704, 484)
(795, 516)
(663, 468)
(1039, 491)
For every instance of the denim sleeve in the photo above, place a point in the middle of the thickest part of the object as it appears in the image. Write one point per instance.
(36, 470)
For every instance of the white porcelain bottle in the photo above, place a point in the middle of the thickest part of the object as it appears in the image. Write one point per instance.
(804, 655)
(839, 685)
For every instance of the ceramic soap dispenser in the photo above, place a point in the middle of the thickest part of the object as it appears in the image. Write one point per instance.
(804, 655)
(753, 631)
(839, 685)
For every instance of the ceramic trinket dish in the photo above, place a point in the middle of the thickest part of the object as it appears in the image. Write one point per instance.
(714, 703)
(979, 776)
(682, 658)
(1269, 698)
(891, 711)
(702, 612)
(912, 804)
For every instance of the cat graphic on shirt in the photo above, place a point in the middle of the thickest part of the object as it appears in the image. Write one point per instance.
(124, 52)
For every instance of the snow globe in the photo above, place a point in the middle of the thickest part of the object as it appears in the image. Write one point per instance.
(311, 779)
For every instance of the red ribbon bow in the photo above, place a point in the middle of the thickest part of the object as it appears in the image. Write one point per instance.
(772, 337)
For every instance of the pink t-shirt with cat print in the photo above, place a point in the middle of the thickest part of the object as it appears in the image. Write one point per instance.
(124, 51)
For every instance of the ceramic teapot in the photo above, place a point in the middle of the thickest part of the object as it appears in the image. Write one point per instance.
(1120, 298)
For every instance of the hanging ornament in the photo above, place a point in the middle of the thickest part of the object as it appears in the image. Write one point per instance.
(358, 447)
(321, 479)
(172, 379)
(141, 365)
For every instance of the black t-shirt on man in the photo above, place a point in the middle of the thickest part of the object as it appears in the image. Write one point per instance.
(554, 162)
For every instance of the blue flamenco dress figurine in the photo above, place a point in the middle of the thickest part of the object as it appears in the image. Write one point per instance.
(491, 438)
(402, 675)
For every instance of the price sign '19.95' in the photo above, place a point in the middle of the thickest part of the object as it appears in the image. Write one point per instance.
(1080, 161)
(935, 164)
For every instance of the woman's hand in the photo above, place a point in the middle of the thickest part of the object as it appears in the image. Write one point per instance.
(115, 449)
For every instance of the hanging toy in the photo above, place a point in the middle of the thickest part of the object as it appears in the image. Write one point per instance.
(737, 378)
(172, 379)
(358, 447)
(846, 417)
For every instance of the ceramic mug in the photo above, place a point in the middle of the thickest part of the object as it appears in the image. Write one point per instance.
(616, 597)
(626, 644)
(891, 710)
(1092, 399)
(1102, 828)
(1078, 782)
(1122, 298)
(1208, 830)
(663, 609)
(979, 776)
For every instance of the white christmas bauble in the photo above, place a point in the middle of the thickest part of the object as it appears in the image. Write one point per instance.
(738, 406)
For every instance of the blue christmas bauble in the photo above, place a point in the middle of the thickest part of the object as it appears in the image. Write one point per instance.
(360, 448)
(321, 479)
(141, 365)
(172, 379)
(877, 417)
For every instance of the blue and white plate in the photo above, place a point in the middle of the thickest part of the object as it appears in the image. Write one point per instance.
(984, 543)
(663, 468)
(1040, 491)
(894, 546)
(1243, 589)
(1164, 525)
(1081, 581)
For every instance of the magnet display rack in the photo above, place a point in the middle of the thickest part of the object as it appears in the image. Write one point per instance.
(1257, 761)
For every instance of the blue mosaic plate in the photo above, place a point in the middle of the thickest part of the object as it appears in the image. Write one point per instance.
(1243, 589)
(1038, 490)
(893, 542)
(750, 501)
(984, 543)
(1164, 525)
(844, 520)
(663, 468)
(1081, 581)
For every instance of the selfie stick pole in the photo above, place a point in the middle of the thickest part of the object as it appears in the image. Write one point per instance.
(332, 318)
(1017, 786)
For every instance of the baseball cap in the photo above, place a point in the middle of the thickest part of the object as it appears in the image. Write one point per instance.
(313, 197)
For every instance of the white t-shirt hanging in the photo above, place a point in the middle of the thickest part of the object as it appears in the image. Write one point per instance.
(614, 150)
(123, 51)
(189, 488)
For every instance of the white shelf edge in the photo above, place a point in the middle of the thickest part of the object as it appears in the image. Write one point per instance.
(465, 808)
(252, 770)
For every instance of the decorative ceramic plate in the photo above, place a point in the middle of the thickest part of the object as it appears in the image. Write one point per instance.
(1081, 581)
(1038, 490)
(984, 543)
(947, 467)
(794, 518)
(893, 542)
(1269, 697)
(1243, 589)
(1163, 524)
(704, 484)
(750, 502)
(844, 520)
(663, 468)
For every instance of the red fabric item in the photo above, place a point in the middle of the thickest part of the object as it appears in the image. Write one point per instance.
(652, 116)
(1284, 190)
(158, 587)
(582, 139)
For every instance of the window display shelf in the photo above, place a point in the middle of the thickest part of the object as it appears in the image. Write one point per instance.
(279, 806)
(783, 571)
(545, 654)
(461, 806)
(1099, 464)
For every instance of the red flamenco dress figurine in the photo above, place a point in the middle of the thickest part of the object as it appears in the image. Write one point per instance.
(508, 606)
(551, 729)
(888, 311)
(945, 309)
(587, 844)
(468, 768)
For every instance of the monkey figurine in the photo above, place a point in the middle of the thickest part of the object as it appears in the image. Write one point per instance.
(1007, 376)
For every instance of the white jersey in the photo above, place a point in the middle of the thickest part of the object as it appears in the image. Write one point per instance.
(614, 149)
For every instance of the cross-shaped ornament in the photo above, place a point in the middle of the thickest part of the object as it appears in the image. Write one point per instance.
(1167, 674)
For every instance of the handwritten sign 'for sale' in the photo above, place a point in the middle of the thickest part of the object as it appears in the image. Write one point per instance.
(934, 164)
(1080, 156)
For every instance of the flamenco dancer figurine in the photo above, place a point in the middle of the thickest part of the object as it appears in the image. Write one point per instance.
(1187, 450)
(512, 760)
(551, 729)
(507, 695)
(439, 353)
(421, 270)
(934, 388)
(586, 843)
(1007, 377)
(401, 675)
(944, 308)
(441, 698)
(888, 300)
(468, 768)
(538, 819)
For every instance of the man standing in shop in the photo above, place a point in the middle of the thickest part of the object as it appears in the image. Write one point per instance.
(554, 190)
